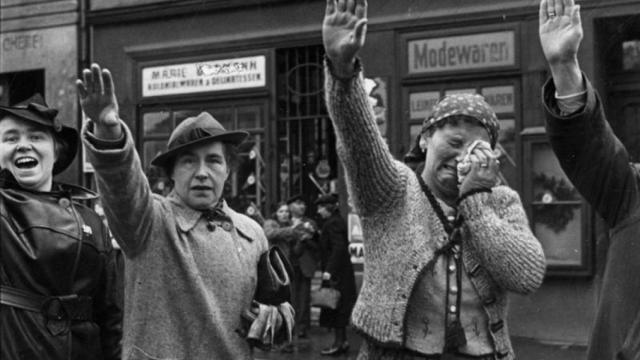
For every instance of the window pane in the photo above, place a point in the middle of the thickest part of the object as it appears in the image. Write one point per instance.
(248, 117)
(224, 115)
(156, 177)
(181, 115)
(157, 123)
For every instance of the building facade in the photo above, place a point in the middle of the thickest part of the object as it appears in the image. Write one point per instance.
(39, 42)
(257, 65)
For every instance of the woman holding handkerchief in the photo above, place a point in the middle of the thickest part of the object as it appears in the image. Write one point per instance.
(443, 246)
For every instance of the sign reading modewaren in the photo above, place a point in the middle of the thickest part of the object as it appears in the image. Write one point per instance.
(467, 52)
(216, 75)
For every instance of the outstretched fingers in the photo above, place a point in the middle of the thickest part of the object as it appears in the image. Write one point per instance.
(351, 6)
(568, 7)
(361, 9)
(82, 90)
(575, 16)
(360, 29)
(331, 7)
(98, 86)
(542, 12)
(107, 80)
(88, 80)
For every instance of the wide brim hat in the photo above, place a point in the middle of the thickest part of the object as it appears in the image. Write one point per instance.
(465, 104)
(36, 110)
(197, 130)
(295, 198)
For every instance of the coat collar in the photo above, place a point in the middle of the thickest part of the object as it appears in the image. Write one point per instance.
(187, 217)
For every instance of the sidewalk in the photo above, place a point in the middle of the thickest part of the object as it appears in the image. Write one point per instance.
(309, 349)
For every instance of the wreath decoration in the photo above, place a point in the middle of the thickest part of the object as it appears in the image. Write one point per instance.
(554, 216)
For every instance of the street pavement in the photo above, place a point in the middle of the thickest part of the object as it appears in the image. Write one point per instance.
(309, 349)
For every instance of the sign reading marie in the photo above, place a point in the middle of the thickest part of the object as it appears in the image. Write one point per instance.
(467, 52)
(216, 75)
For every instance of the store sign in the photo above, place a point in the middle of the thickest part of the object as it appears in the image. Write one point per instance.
(421, 104)
(217, 75)
(468, 52)
(500, 98)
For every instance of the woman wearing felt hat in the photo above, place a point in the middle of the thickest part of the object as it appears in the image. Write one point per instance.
(57, 265)
(443, 246)
(191, 262)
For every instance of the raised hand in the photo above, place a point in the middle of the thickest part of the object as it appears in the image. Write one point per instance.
(343, 32)
(98, 101)
(560, 30)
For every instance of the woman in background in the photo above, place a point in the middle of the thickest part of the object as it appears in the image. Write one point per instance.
(279, 230)
(336, 271)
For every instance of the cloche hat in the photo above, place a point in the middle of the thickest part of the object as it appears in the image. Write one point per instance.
(36, 110)
(194, 131)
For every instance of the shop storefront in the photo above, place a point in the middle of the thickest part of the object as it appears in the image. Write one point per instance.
(258, 67)
(39, 53)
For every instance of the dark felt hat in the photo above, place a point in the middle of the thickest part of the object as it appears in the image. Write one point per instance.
(36, 110)
(197, 130)
(327, 199)
(295, 198)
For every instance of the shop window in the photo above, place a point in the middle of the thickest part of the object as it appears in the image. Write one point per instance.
(245, 188)
(18, 86)
(559, 215)
(306, 155)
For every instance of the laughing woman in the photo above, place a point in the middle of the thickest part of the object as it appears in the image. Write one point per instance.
(57, 268)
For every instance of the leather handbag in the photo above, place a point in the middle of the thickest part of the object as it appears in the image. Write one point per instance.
(274, 278)
(325, 297)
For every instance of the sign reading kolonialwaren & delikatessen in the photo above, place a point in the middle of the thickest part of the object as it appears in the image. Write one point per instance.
(466, 52)
(204, 76)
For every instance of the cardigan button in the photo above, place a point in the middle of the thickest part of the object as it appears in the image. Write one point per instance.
(64, 202)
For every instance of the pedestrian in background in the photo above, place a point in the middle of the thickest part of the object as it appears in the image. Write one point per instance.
(443, 246)
(337, 271)
(191, 262)
(598, 165)
(279, 229)
(58, 281)
(304, 259)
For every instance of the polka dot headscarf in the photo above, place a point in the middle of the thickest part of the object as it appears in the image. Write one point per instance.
(472, 105)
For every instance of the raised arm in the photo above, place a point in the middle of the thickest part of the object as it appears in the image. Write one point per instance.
(560, 32)
(590, 154)
(373, 179)
(125, 192)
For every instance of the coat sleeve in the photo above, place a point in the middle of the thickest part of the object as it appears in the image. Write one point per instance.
(593, 158)
(276, 233)
(126, 196)
(499, 232)
(109, 304)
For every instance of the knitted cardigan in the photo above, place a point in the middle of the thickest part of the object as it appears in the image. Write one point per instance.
(402, 232)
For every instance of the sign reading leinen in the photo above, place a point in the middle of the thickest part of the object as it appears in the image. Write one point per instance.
(466, 52)
(217, 75)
